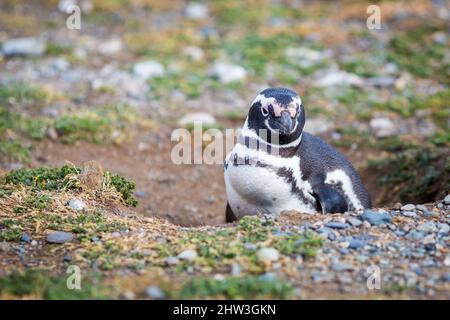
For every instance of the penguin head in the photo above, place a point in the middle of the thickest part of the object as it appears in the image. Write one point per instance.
(277, 111)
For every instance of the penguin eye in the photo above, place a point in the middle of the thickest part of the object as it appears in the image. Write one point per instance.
(265, 111)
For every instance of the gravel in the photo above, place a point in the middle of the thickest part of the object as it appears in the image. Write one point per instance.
(155, 292)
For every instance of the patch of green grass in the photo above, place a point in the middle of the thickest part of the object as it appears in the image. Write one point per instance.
(192, 84)
(10, 229)
(254, 229)
(256, 52)
(305, 245)
(56, 49)
(22, 93)
(103, 254)
(416, 52)
(62, 178)
(249, 287)
(35, 201)
(109, 123)
(66, 178)
(125, 187)
(86, 225)
(45, 286)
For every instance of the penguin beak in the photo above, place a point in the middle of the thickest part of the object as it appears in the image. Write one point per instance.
(286, 123)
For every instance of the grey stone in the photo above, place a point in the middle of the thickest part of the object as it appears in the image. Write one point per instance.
(381, 82)
(429, 226)
(331, 78)
(337, 225)
(202, 118)
(354, 243)
(410, 214)
(250, 246)
(170, 261)
(422, 208)
(24, 47)
(341, 266)
(354, 222)
(59, 237)
(77, 204)
(447, 200)
(444, 228)
(415, 235)
(376, 218)
(148, 69)
(383, 127)
(268, 254)
(155, 292)
(228, 73)
(25, 238)
(196, 11)
(408, 207)
(141, 194)
(188, 255)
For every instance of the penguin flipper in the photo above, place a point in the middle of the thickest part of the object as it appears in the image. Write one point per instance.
(330, 200)
(229, 215)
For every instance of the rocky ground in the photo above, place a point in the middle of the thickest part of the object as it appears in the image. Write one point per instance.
(116, 89)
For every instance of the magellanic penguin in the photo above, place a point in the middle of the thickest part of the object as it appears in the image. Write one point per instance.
(275, 166)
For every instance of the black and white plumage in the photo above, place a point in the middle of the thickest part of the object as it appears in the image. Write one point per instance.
(275, 166)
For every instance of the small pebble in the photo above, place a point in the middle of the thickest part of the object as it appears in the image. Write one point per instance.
(155, 292)
(268, 254)
(59, 237)
(170, 261)
(408, 207)
(188, 255)
(337, 225)
(77, 204)
(447, 200)
(25, 238)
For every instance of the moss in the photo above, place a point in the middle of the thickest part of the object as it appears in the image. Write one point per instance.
(305, 245)
(10, 229)
(249, 287)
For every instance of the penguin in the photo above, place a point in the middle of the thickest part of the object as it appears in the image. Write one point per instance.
(275, 166)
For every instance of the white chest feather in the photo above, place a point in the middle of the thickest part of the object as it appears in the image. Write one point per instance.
(259, 188)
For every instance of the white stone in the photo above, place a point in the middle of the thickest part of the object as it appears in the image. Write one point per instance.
(148, 69)
(188, 255)
(111, 47)
(337, 78)
(197, 117)
(447, 199)
(155, 293)
(196, 11)
(227, 72)
(268, 254)
(195, 53)
(24, 47)
(304, 57)
(77, 204)
(383, 127)
(408, 207)
(316, 126)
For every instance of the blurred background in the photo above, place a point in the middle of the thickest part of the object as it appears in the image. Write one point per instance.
(114, 90)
